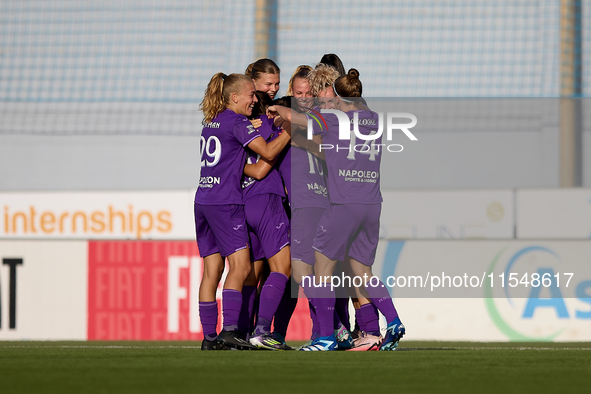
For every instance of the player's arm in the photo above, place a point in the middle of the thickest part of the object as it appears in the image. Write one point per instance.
(293, 117)
(260, 169)
(313, 146)
(269, 151)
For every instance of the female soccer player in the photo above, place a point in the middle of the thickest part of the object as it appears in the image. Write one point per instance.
(321, 80)
(367, 336)
(349, 227)
(220, 221)
(299, 88)
(310, 197)
(265, 75)
(268, 228)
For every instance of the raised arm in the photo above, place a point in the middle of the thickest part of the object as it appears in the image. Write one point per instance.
(293, 117)
(260, 169)
(312, 146)
(269, 151)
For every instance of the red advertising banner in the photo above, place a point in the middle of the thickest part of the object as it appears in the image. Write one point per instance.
(149, 290)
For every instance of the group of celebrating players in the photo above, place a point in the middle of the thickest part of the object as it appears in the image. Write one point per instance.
(279, 208)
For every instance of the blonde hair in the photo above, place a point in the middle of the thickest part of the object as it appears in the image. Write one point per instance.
(218, 92)
(300, 72)
(321, 78)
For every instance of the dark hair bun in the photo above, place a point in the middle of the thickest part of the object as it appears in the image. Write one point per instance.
(353, 73)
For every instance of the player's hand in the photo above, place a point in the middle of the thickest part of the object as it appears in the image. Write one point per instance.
(272, 112)
(256, 123)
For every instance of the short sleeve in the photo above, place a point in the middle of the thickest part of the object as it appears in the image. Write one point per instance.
(244, 131)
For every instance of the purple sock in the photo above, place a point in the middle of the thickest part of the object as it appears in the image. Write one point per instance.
(336, 322)
(315, 324)
(270, 297)
(381, 299)
(284, 311)
(255, 311)
(325, 310)
(208, 314)
(369, 319)
(248, 295)
(342, 312)
(360, 317)
(231, 304)
(308, 287)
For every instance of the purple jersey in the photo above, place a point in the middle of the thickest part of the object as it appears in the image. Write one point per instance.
(284, 167)
(223, 157)
(309, 186)
(271, 184)
(353, 164)
(309, 183)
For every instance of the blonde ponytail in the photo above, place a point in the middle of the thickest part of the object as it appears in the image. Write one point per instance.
(217, 94)
(213, 100)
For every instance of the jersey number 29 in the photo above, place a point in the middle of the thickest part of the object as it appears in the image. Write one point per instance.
(212, 147)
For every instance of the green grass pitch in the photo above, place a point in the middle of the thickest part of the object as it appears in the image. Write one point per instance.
(180, 367)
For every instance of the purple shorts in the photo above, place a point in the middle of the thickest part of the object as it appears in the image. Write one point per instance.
(349, 229)
(267, 225)
(304, 222)
(220, 228)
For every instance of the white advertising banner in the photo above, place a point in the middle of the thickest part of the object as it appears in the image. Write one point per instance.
(168, 215)
(43, 290)
(469, 214)
(554, 213)
(97, 215)
(490, 290)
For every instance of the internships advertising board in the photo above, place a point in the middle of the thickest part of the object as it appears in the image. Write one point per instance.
(97, 215)
(168, 215)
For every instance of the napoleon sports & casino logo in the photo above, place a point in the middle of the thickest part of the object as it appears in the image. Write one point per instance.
(560, 305)
(369, 147)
